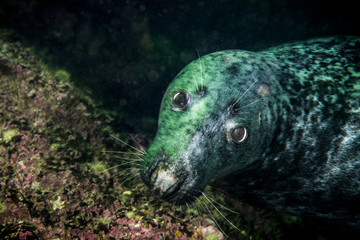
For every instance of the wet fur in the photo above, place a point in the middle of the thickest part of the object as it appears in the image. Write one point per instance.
(303, 152)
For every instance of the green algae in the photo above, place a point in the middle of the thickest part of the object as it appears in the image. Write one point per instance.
(3, 207)
(9, 134)
(127, 193)
(63, 75)
(57, 204)
(97, 167)
(212, 236)
(106, 220)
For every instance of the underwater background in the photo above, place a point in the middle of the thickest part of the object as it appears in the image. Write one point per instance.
(74, 74)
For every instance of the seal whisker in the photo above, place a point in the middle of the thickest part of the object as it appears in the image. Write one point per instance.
(141, 148)
(198, 211)
(242, 95)
(196, 84)
(128, 179)
(119, 165)
(129, 159)
(249, 104)
(123, 173)
(226, 208)
(202, 204)
(141, 151)
(220, 212)
(201, 74)
(130, 153)
(189, 209)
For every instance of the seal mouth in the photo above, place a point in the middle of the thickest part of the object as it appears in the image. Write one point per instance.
(169, 186)
(171, 193)
(168, 183)
(180, 195)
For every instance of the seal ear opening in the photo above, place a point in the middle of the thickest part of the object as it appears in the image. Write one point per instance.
(263, 90)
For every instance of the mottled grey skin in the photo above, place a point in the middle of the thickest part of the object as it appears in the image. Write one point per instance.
(300, 104)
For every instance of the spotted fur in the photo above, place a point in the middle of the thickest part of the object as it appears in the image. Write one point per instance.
(300, 105)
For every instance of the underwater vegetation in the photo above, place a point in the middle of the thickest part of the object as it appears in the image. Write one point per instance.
(60, 177)
(55, 176)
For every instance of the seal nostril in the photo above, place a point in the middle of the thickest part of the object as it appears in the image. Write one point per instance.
(150, 176)
(153, 177)
(166, 183)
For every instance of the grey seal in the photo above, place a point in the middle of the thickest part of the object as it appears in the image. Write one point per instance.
(278, 128)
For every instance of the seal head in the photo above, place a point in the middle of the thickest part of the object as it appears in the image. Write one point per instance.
(215, 119)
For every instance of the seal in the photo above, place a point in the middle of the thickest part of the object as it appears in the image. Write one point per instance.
(278, 128)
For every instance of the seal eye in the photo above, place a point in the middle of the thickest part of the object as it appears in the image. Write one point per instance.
(181, 100)
(239, 134)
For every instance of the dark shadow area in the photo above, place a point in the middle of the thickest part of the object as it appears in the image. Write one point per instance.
(126, 52)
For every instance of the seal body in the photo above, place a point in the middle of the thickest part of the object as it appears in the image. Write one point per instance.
(279, 129)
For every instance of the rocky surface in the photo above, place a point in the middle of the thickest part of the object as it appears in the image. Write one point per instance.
(56, 177)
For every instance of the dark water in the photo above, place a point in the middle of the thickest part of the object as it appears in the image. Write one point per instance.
(126, 52)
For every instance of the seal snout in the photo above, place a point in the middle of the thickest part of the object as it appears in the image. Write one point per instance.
(167, 184)
(165, 179)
